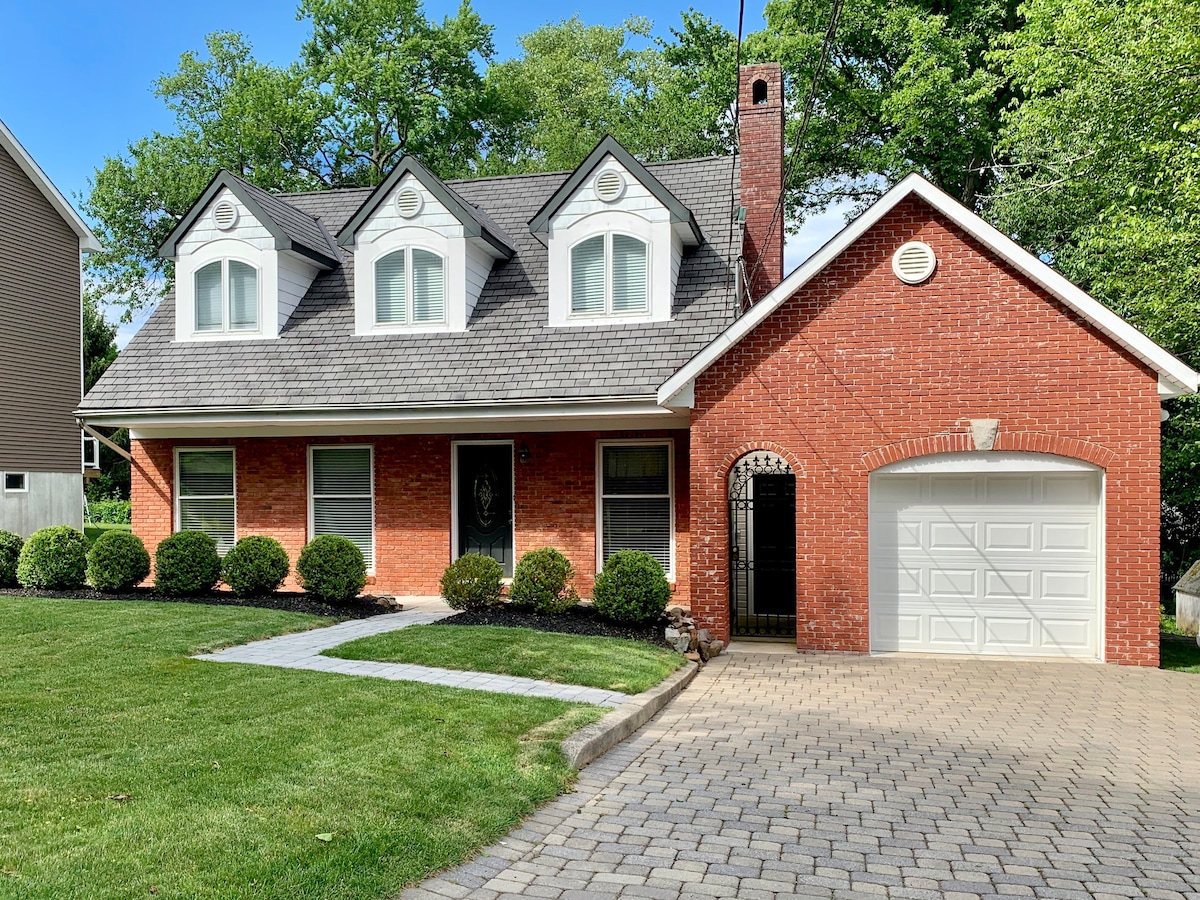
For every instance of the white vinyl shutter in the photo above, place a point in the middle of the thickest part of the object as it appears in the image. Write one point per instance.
(587, 277)
(429, 287)
(243, 297)
(208, 297)
(390, 289)
(342, 500)
(206, 495)
(636, 500)
(629, 288)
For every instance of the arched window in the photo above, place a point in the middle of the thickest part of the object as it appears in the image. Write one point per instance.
(410, 287)
(227, 296)
(610, 276)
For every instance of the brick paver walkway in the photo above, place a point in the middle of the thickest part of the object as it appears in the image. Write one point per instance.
(848, 776)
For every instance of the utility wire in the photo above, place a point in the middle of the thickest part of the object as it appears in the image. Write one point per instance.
(737, 140)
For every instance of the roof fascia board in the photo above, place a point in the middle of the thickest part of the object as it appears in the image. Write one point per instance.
(88, 243)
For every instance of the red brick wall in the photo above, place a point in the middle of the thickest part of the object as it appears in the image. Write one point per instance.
(555, 499)
(761, 145)
(858, 370)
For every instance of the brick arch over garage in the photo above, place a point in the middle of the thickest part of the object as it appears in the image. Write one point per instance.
(1022, 441)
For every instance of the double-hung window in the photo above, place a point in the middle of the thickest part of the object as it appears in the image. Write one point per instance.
(636, 500)
(226, 297)
(342, 497)
(609, 276)
(205, 494)
(410, 288)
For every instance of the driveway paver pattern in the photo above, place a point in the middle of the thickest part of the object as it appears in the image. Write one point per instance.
(825, 775)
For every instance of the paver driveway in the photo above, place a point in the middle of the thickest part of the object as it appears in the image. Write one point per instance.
(847, 776)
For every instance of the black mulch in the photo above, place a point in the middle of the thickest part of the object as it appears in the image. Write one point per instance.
(582, 620)
(359, 608)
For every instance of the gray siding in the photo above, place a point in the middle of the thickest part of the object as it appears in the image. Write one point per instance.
(52, 499)
(39, 330)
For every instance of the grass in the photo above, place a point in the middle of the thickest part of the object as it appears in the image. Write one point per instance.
(614, 664)
(1179, 656)
(129, 770)
(93, 530)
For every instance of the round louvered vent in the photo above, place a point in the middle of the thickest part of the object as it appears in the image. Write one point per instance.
(914, 262)
(225, 215)
(609, 186)
(408, 203)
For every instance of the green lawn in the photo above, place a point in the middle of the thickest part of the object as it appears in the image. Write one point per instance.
(1179, 656)
(128, 770)
(600, 662)
(93, 530)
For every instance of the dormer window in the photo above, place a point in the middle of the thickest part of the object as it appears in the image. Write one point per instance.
(226, 297)
(610, 276)
(410, 288)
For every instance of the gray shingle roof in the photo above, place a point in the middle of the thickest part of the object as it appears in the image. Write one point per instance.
(508, 352)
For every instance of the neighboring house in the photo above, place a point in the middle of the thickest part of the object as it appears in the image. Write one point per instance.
(923, 439)
(41, 346)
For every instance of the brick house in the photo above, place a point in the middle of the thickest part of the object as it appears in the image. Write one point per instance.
(923, 439)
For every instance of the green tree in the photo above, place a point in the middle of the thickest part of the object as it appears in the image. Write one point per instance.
(99, 343)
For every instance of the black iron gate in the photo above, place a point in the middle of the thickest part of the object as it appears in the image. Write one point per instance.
(762, 546)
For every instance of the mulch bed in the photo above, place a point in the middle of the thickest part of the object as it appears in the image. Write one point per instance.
(284, 601)
(582, 620)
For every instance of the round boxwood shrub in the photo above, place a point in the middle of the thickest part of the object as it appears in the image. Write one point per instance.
(255, 566)
(10, 552)
(117, 561)
(473, 581)
(543, 582)
(186, 563)
(53, 558)
(332, 569)
(632, 588)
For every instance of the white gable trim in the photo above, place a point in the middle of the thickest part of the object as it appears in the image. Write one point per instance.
(1175, 377)
(87, 240)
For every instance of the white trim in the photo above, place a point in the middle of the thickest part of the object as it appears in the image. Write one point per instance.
(175, 482)
(628, 442)
(455, 550)
(1176, 377)
(87, 240)
(309, 527)
(266, 268)
(985, 461)
(24, 481)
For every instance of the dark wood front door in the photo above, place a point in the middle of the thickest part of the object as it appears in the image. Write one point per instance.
(485, 491)
(774, 545)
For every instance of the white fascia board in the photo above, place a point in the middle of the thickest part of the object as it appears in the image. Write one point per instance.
(87, 240)
(1179, 378)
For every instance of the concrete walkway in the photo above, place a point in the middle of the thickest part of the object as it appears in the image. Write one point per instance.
(302, 650)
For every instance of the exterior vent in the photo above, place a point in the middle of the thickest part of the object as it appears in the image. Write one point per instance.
(408, 203)
(609, 186)
(225, 215)
(914, 262)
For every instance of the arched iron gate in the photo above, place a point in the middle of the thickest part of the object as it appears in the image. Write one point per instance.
(762, 546)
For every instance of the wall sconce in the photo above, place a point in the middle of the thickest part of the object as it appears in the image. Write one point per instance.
(523, 454)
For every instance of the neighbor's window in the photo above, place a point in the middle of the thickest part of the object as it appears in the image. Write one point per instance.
(16, 482)
(410, 288)
(227, 297)
(206, 494)
(635, 500)
(341, 500)
(609, 276)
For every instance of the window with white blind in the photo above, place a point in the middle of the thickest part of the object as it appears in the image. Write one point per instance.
(610, 276)
(636, 508)
(205, 493)
(410, 288)
(226, 296)
(342, 496)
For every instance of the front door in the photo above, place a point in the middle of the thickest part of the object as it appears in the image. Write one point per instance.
(485, 493)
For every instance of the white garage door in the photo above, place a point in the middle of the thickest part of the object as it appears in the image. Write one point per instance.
(994, 562)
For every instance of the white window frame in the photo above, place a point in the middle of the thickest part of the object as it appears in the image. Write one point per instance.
(179, 498)
(311, 527)
(24, 481)
(609, 312)
(455, 549)
(225, 328)
(669, 443)
(409, 323)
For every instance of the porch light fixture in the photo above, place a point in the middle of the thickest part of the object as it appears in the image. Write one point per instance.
(523, 454)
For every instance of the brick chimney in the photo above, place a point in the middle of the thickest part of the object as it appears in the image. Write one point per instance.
(760, 120)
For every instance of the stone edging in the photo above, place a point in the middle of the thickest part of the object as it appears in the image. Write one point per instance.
(593, 741)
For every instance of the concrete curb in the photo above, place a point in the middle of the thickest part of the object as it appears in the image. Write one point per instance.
(596, 739)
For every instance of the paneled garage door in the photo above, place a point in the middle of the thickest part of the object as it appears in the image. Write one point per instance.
(1000, 562)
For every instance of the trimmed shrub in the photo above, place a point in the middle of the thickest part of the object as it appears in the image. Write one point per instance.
(255, 566)
(109, 512)
(117, 561)
(632, 588)
(332, 569)
(10, 552)
(186, 563)
(543, 582)
(473, 581)
(53, 558)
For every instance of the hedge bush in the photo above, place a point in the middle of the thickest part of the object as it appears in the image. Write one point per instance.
(473, 581)
(186, 563)
(332, 568)
(117, 561)
(109, 512)
(53, 558)
(542, 582)
(10, 553)
(632, 588)
(255, 566)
